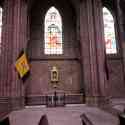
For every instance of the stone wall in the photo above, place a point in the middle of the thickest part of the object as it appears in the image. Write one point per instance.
(115, 84)
(69, 64)
(39, 81)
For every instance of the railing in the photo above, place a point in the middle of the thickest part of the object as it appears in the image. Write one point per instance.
(61, 99)
(55, 99)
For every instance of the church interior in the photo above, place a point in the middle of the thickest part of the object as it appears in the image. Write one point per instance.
(62, 62)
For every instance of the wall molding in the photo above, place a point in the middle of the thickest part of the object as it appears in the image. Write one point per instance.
(11, 103)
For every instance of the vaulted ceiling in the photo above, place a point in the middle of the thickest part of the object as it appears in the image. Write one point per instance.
(74, 3)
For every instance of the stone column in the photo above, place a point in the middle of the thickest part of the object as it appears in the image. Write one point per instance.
(19, 43)
(6, 55)
(92, 43)
(14, 39)
(121, 28)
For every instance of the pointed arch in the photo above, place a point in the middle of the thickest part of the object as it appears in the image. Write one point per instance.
(109, 32)
(1, 15)
(53, 32)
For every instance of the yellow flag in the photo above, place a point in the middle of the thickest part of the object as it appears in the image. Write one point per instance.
(22, 65)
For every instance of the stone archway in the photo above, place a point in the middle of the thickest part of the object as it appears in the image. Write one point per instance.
(68, 64)
(122, 6)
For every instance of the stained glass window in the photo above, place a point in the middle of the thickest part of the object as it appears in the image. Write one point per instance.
(53, 32)
(0, 26)
(109, 32)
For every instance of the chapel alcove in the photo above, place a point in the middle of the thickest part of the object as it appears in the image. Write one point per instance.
(68, 62)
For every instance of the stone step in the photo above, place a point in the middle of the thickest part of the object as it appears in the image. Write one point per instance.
(69, 115)
(118, 104)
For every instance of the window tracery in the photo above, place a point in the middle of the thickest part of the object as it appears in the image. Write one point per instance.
(109, 32)
(53, 32)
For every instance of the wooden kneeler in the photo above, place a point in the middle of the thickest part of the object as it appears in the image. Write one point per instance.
(43, 120)
(5, 121)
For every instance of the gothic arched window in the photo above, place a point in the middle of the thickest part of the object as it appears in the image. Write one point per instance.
(53, 32)
(1, 11)
(109, 32)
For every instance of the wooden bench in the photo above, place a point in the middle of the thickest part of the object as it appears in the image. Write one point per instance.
(85, 120)
(4, 118)
(122, 118)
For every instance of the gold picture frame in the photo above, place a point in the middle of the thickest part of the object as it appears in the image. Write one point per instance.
(54, 74)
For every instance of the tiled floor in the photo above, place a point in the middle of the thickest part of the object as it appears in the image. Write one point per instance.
(69, 115)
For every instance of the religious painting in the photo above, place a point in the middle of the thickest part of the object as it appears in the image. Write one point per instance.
(54, 74)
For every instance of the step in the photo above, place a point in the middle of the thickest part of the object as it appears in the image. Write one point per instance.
(69, 115)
